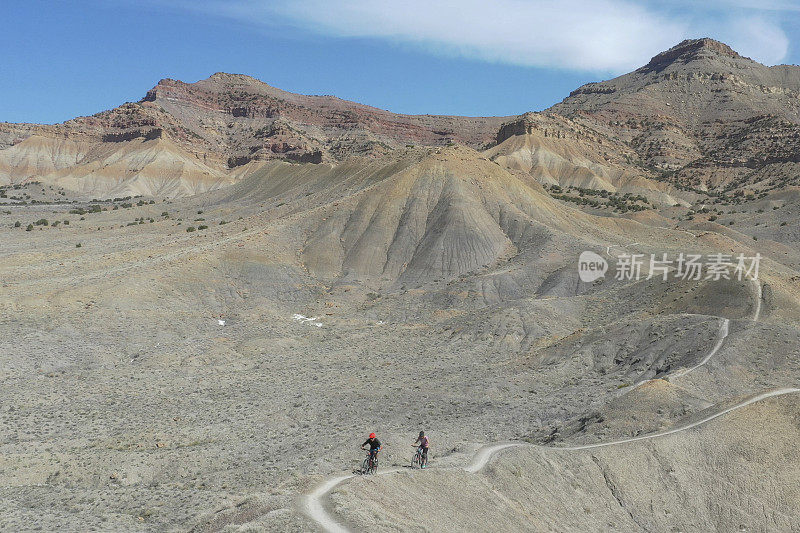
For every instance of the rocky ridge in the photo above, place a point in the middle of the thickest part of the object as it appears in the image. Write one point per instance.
(698, 116)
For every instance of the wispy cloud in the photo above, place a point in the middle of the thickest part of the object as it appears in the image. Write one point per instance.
(758, 5)
(587, 35)
(756, 37)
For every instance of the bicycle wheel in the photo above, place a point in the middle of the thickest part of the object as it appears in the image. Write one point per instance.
(365, 466)
(415, 460)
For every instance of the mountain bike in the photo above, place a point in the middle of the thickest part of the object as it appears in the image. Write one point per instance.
(419, 460)
(370, 464)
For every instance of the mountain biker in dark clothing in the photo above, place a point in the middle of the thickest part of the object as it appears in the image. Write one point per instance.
(423, 442)
(374, 445)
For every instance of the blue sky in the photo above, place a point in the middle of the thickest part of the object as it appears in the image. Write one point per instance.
(469, 57)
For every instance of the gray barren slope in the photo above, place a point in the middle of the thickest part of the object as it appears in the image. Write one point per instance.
(127, 405)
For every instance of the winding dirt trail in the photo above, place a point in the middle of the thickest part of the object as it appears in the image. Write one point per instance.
(722, 334)
(314, 508)
(313, 503)
(759, 296)
(486, 454)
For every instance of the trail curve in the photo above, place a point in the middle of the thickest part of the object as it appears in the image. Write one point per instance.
(314, 508)
(722, 334)
(313, 502)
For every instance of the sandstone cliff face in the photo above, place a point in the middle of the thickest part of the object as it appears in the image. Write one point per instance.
(250, 120)
(222, 124)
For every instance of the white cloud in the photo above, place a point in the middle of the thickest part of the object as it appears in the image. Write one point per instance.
(760, 5)
(755, 37)
(589, 35)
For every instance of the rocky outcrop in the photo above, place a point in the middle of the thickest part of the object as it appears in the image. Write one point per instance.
(245, 115)
(686, 108)
(689, 50)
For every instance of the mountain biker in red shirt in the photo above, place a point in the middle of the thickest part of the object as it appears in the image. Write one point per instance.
(423, 442)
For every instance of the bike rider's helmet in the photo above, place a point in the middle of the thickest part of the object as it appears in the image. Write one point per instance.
(372, 435)
(421, 433)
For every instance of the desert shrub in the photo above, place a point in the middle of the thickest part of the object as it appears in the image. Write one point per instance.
(202, 227)
(17, 224)
(29, 228)
(190, 229)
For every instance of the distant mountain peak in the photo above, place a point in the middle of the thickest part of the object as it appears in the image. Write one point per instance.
(689, 50)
